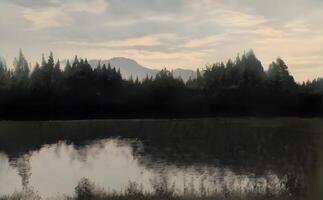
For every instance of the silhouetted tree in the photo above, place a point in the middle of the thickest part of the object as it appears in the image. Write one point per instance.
(252, 74)
(241, 86)
(279, 79)
(36, 78)
(4, 74)
(20, 76)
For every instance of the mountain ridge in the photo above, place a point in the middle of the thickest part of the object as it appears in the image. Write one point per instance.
(129, 67)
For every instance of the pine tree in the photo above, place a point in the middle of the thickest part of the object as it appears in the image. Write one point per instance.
(21, 71)
(279, 77)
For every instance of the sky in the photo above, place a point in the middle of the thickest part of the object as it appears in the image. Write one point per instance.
(167, 33)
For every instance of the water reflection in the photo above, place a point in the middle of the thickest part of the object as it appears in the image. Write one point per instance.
(22, 164)
(205, 156)
(112, 164)
(9, 178)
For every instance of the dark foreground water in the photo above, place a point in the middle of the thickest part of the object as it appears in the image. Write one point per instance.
(263, 156)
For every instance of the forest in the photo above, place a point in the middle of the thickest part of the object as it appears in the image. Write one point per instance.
(239, 87)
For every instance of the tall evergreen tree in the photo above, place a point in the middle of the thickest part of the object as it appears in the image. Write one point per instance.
(21, 71)
(279, 78)
(4, 76)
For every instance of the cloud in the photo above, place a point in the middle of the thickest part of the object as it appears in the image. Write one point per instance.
(297, 26)
(145, 19)
(145, 41)
(202, 42)
(36, 4)
(142, 41)
(46, 16)
(174, 32)
(240, 20)
(49, 18)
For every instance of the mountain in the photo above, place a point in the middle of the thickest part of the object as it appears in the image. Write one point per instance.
(127, 67)
(130, 67)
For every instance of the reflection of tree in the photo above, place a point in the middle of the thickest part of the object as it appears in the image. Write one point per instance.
(285, 154)
(24, 169)
(287, 147)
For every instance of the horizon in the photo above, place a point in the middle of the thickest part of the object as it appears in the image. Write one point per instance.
(171, 34)
(63, 61)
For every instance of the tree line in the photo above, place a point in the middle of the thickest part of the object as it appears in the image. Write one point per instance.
(79, 90)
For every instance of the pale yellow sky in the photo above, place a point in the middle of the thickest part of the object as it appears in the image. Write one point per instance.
(167, 33)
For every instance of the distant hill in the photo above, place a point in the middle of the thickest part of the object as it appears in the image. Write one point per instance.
(184, 73)
(127, 67)
(130, 67)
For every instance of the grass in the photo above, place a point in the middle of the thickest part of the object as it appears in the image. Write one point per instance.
(86, 190)
(27, 194)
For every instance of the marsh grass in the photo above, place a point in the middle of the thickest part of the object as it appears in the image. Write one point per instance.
(162, 189)
(27, 194)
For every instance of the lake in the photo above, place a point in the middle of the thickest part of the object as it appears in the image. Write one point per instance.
(220, 155)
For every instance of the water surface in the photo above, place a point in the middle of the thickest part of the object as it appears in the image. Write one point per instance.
(209, 155)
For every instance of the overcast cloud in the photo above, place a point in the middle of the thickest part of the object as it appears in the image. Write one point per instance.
(171, 33)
